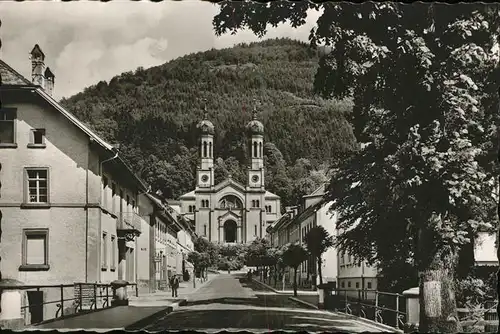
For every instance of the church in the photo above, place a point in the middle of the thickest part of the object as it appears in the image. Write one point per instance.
(230, 212)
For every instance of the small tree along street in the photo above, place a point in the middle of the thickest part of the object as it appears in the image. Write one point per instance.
(293, 256)
(317, 241)
(423, 79)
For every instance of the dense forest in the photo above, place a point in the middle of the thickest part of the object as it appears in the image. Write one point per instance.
(152, 115)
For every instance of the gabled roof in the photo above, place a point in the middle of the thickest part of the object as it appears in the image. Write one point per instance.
(9, 76)
(12, 78)
(320, 191)
(189, 195)
(229, 182)
(230, 213)
(270, 195)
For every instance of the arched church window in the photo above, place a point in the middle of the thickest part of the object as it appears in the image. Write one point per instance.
(257, 204)
(260, 150)
(255, 149)
(210, 150)
(255, 229)
(230, 201)
(253, 203)
(205, 149)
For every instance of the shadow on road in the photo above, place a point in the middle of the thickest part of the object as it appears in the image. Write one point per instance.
(249, 305)
(298, 320)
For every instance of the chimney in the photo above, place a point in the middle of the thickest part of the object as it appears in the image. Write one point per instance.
(49, 81)
(37, 66)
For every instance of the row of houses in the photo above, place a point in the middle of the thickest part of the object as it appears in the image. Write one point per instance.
(340, 268)
(71, 209)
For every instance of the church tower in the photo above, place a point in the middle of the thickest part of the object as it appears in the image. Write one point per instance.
(256, 149)
(205, 177)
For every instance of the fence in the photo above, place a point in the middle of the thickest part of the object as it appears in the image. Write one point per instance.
(390, 309)
(46, 302)
(382, 307)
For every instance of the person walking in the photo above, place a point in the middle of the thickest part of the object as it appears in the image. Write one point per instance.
(174, 284)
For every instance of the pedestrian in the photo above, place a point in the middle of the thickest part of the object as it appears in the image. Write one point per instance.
(174, 284)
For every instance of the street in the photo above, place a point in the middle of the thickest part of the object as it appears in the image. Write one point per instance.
(229, 302)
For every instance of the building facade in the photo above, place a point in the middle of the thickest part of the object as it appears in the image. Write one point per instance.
(160, 256)
(230, 212)
(68, 202)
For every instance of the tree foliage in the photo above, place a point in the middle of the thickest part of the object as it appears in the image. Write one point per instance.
(293, 256)
(423, 79)
(152, 113)
(318, 241)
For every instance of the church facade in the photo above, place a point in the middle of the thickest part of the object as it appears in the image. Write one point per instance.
(230, 212)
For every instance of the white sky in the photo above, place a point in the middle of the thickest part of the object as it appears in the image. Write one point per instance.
(85, 42)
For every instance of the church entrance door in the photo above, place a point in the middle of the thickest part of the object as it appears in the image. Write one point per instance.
(230, 229)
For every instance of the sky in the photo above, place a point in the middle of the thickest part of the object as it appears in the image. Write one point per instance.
(86, 42)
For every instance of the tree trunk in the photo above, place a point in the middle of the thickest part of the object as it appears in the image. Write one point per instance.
(319, 270)
(438, 309)
(295, 282)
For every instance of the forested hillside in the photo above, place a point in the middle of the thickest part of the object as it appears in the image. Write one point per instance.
(152, 113)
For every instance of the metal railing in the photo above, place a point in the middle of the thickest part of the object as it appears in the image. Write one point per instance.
(63, 299)
(383, 307)
(484, 316)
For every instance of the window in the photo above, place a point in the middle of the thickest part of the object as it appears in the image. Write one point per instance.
(7, 127)
(37, 185)
(35, 250)
(128, 200)
(368, 285)
(205, 230)
(113, 252)
(37, 138)
(343, 284)
(113, 197)
(204, 203)
(104, 251)
(349, 284)
(105, 192)
(357, 285)
(122, 197)
(257, 203)
(255, 229)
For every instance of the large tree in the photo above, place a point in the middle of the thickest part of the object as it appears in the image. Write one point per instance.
(423, 79)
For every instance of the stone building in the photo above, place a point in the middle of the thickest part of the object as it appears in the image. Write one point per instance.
(230, 212)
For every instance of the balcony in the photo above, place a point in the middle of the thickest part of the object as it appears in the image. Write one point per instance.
(129, 222)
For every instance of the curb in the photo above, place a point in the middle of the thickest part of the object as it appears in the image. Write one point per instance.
(300, 301)
(350, 316)
(277, 291)
(269, 287)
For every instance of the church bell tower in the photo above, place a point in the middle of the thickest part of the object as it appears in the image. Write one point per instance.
(205, 173)
(256, 149)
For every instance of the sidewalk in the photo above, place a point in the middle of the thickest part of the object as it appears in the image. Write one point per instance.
(140, 311)
(164, 298)
(287, 290)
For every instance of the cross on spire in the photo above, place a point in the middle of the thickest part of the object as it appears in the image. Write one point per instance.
(205, 112)
(254, 113)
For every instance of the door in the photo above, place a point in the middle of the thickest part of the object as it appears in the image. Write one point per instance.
(35, 301)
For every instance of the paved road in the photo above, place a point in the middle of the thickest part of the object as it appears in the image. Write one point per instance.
(229, 302)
